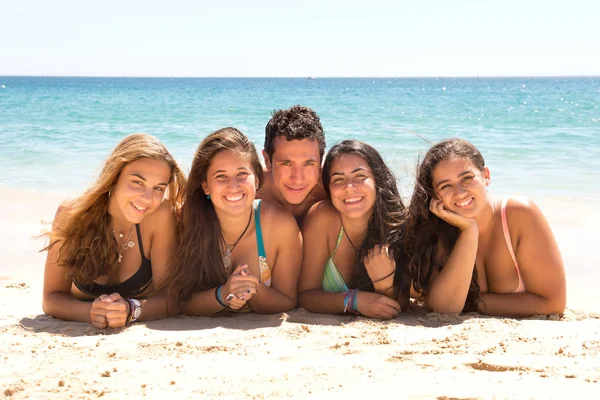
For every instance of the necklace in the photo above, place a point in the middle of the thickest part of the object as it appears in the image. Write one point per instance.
(127, 245)
(229, 247)
(350, 240)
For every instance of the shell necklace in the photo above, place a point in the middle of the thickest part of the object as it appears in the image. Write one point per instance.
(229, 247)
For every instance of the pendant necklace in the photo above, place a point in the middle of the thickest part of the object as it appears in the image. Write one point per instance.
(229, 247)
(127, 245)
(350, 240)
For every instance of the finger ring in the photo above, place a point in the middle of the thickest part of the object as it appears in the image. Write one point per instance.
(230, 297)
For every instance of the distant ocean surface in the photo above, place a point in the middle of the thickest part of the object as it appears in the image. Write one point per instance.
(539, 136)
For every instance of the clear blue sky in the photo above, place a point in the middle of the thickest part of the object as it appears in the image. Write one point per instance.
(302, 38)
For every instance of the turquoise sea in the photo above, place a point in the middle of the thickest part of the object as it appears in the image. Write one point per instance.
(540, 136)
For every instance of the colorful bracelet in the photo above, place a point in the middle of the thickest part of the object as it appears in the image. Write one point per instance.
(354, 302)
(347, 300)
(350, 301)
(218, 297)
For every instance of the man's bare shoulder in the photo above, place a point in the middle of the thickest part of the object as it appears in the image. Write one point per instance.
(266, 189)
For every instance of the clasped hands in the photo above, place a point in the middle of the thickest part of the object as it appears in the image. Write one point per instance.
(109, 311)
(240, 287)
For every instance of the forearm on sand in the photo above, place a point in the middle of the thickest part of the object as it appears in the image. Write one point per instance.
(448, 291)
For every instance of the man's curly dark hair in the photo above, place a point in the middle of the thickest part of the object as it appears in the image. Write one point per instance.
(295, 123)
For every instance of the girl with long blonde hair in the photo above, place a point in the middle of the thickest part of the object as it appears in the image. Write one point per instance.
(110, 246)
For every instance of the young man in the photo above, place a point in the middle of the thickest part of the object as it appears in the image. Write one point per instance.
(294, 148)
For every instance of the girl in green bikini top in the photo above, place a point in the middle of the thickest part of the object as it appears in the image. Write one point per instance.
(353, 255)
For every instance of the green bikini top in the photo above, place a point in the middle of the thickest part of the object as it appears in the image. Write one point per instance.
(333, 281)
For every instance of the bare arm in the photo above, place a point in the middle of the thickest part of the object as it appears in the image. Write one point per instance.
(203, 303)
(316, 251)
(57, 300)
(449, 288)
(162, 225)
(540, 264)
(283, 233)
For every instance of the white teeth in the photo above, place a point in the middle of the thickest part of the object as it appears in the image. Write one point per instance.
(139, 208)
(353, 200)
(465, 202)
(234, 198)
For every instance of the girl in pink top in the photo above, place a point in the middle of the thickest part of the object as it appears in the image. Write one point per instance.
(471, 252)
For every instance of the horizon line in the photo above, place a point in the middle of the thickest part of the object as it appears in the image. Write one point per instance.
(307, 77)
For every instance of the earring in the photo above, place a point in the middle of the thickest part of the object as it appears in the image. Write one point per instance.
(208, 196)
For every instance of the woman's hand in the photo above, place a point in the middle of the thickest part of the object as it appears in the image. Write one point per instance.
(98, 313)
(117, 310)
(374, 305)
(436, 206)
(240, 287)
(380, 264)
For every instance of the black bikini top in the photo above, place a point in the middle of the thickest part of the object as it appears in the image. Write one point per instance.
(132, 287)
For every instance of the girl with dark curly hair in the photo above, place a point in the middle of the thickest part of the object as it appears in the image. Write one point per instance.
(471, 252)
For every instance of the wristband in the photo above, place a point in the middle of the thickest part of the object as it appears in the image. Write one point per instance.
(354, 302)
(347, 301)
(218, 297)
(130, 312)
(135, 310)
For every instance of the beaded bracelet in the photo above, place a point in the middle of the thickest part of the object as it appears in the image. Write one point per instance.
(218, 297)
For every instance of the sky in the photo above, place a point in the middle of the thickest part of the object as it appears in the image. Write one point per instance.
(321, 38)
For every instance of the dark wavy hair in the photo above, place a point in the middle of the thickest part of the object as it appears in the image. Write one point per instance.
(294, 123)
(387, 223)
(84, 234)
(429, 240)
(198, 263)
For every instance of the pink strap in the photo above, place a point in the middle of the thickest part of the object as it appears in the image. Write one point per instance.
(521, 287)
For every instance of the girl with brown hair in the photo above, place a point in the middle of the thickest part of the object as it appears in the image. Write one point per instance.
(471, 252)
(110, 246)
(354, 259)
(233, 252)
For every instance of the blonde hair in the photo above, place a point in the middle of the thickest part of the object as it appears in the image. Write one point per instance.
(83, 229)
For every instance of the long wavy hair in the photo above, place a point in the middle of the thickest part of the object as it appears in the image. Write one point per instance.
(198, 263)
(429, 239)
(387, 222)
(83, 229)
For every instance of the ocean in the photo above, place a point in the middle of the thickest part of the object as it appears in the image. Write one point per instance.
(539, 136)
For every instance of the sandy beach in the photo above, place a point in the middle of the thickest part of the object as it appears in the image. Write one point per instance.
(297, 354)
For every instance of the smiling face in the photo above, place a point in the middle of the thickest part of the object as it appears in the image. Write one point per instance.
(352, 186)
(230, 182)
(295, 168)
(139, 190)
(461, 186)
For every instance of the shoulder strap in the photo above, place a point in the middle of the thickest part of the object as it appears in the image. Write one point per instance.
(139, 236)
(259, 236)
(339, 240)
